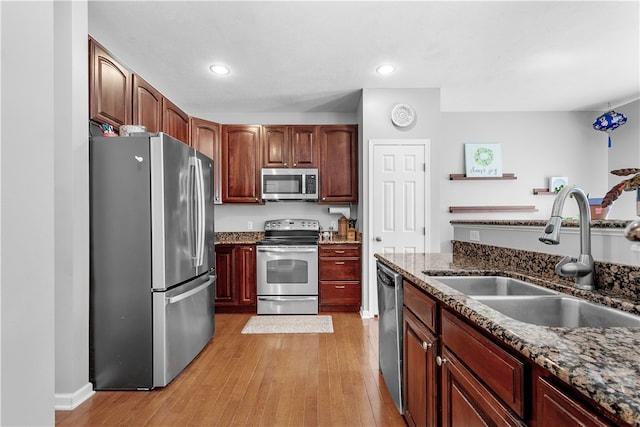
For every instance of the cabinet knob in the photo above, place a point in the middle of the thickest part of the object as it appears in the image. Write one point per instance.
(339, 262)
(440, 360)
(339, 286)
(295, 164)
(426, 346)
(284, 164)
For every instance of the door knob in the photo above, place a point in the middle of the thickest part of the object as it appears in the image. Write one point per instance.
(378, 239)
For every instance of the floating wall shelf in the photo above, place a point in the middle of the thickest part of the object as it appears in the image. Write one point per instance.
(543, 192)
(461, 176)
(469, 209)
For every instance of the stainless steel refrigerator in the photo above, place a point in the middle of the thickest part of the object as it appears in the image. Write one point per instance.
(152, 260)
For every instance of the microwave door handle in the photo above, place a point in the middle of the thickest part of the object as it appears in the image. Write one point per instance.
(304, 183)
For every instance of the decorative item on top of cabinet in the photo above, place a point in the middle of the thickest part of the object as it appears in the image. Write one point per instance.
(289, 146)
(338, 164)
(240, 163)
(339, 274)
(236, 282)
(204, 136)
(109, 88)
(147, 105)
(175, 122)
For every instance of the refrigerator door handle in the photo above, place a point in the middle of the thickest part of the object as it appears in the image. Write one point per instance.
(178, 298)
(200, 213)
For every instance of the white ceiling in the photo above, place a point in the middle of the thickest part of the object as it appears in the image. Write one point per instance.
(301, 56)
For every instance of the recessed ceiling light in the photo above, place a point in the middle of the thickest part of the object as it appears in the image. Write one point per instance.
(221, 70)
(385, 69)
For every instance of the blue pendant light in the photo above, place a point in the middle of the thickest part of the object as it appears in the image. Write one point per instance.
(609, 121)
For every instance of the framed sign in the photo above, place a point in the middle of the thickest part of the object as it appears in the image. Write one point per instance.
(483, 160)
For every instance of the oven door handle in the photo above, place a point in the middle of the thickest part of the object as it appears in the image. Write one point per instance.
(292, 249)
(288, 299)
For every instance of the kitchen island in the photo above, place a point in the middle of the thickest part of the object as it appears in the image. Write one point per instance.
(602, 364)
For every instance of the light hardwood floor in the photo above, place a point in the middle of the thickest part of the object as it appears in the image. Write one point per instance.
(261, 380)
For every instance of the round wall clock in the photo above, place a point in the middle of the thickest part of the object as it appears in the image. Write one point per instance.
(402, 115)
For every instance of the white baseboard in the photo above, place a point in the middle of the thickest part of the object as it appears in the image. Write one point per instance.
(70, 401)
(366, 314)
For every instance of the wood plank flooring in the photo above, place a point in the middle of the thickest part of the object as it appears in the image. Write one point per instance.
(261, 380)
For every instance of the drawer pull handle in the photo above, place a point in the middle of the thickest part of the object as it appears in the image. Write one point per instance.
(339, 252)
(339, 262)
(339, 286)
(440, 360)
(426, 346)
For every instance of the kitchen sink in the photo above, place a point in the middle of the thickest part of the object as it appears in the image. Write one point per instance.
(562, 311)
(492, 285)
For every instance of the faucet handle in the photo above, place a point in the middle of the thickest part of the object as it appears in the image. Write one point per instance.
(570, 267)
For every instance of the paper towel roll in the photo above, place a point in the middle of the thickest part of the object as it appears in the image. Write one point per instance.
(345, 211)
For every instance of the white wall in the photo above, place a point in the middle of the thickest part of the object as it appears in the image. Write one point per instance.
(71, 221)
(27, 204)
(535, 146)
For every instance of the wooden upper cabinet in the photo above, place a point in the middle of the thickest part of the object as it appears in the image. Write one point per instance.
(338, 164)
(289, 146)
(304, 146)
(109, 88)
(205, 137)
(147, 105)
(275, 147)
(175, 122)
(241, 164)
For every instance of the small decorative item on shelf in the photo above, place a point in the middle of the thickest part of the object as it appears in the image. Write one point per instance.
(483, 160)
(557, 183)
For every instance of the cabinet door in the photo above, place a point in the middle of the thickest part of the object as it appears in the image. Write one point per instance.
(304, 146)
(109, 88)
(338, 164)
(466, 402)
(204, 136)
(246, 274)
(241, 164)
(175, 122)
(225, 271)
(147, 105)
(557, 409)
(420, 373)
(275, 147)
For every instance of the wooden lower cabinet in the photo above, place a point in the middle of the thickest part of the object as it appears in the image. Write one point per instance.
(459, 372)
(236, 283)
(339, 273)
(420, 372)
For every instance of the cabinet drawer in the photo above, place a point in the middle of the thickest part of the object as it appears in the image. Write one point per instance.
(339, 251)
(339, 292)
(499, 370)
(339, 269)
(556, 409)
(423, 306)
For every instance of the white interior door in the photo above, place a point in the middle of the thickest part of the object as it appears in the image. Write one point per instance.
(398, 202)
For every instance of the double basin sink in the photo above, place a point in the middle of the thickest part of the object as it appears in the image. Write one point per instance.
(535, 304)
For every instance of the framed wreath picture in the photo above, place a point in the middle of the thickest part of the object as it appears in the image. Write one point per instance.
(483, 160)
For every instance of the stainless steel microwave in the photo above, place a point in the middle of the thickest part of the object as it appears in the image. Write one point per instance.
(289, 184)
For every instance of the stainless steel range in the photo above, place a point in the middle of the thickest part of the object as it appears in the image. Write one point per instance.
(287, 267)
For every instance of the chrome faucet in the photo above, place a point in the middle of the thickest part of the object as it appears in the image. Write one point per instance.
(582, 267)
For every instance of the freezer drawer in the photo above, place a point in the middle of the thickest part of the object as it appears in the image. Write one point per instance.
(183, 325)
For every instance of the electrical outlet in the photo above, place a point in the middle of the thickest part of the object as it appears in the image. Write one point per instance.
(334, 225)
(474, 235)
(249, 225)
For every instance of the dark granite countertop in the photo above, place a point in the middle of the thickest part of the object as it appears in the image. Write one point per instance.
(598, 223)
(601, 363)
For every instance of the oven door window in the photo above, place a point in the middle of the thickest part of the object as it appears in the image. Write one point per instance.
(287, 271)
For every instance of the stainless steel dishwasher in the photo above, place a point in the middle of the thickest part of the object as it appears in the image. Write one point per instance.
(390, 301)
